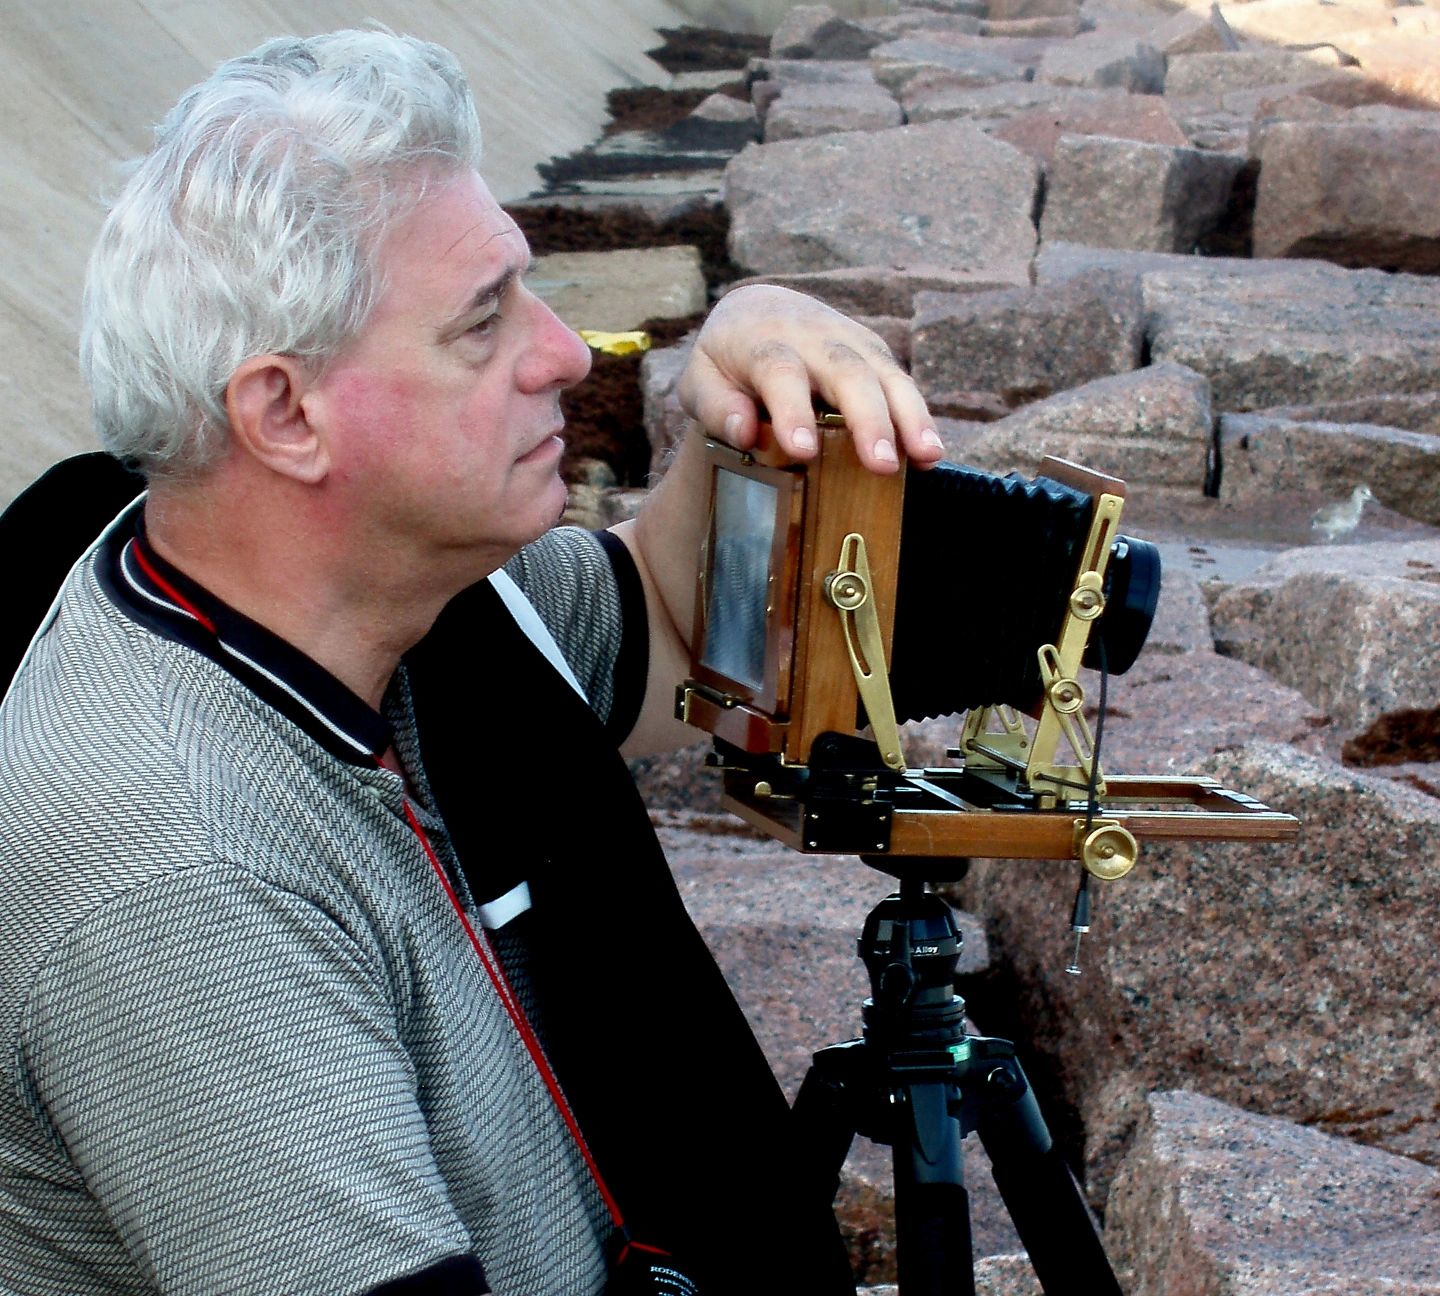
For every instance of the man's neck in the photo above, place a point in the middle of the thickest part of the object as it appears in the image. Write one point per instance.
(285, 565)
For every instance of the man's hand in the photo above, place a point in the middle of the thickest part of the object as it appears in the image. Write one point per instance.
(773, 347)
(777, 347)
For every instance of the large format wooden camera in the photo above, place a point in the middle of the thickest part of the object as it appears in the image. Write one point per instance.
(834, 604)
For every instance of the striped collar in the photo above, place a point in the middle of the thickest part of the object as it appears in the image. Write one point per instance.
(163, 599)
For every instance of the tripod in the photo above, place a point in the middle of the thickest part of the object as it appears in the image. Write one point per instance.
(918, 1083)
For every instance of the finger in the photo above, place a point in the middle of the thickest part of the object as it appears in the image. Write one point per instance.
(723, 409)
(852, 383)
(782, 382)
(912, 419)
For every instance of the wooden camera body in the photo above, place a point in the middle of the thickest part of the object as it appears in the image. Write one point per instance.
(794, 622)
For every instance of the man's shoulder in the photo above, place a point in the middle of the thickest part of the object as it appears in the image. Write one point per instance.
(138, 775)
(115, 746)
(94, 786)
(87, 704)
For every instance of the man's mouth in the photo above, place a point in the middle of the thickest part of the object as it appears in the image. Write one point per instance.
(554, 444)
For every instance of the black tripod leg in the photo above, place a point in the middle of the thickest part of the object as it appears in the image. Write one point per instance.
(1044, 1201)
(932, 1208)
(825, 1116)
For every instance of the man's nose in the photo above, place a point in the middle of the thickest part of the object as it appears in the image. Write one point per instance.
(558, 356)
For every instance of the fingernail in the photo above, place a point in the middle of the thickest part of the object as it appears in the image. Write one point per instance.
(732, 424)
(803, 438)
(931, 438)
(885, 451)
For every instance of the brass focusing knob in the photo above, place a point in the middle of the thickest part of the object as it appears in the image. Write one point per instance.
(1066, 696)
(1086, 604)
(846, 590)
(1109, 851)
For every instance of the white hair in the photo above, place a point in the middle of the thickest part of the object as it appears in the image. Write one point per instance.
(251, 228)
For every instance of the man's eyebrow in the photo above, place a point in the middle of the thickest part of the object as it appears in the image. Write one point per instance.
(484, 298)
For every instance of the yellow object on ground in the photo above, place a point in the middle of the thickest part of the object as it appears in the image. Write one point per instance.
(616, 344)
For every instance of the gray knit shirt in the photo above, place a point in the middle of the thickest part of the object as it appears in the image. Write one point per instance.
(246, 1045)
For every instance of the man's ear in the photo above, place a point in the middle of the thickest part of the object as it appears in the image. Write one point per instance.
(265, 402)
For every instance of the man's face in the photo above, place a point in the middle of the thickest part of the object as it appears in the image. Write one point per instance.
(445, 409)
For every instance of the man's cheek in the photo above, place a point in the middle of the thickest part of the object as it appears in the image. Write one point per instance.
(379, 414)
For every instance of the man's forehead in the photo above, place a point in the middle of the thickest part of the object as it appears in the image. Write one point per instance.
(458, 234)
(503, 239)
(462, 218)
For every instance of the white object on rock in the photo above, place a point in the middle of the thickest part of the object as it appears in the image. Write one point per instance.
(1336, 520)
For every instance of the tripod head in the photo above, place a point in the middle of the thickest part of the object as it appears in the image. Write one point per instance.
(910, 946)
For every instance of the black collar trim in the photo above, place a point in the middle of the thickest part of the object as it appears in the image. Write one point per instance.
(162, 598)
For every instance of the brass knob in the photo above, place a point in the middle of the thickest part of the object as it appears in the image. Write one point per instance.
(1066, 696)
(846, 591)
(1109, 852)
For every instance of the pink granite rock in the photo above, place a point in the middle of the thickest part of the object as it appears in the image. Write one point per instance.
(1110, 192)
(1358, 194)
(1060, 26)
(1287, 977)
(818, 32)
(951, 407)
(724, 108)
(771, 78)
(1182, 617)
(1418, 413)
(951, 196)
(954, 8)
(1266, 337)
(1350, 626)
(1189, 32)
(900, 62)
(986, 106)
(1225, 121)
(1213, 1200)
(1260, 455)
(789, 72)
(919, 21)
(1112, 113)
(890, 290)
(1058, 261)
(1150, 427)
(1175, 710)
(805, 111)
(665, 421)
(1026, 343)
(1000, 10)
(1191, 75)
(1354, 87)
(1101, 59)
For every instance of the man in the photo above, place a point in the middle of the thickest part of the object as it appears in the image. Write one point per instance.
(337, 953)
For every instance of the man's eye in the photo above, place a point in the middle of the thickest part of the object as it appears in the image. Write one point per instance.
(482, 328)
